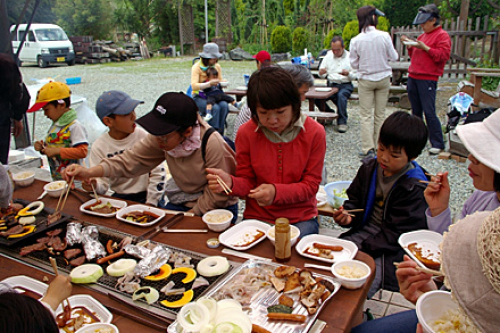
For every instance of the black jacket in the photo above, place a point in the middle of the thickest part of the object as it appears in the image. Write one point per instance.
(404, 211)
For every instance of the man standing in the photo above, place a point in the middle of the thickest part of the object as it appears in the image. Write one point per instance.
(336, 67)
(428, 57)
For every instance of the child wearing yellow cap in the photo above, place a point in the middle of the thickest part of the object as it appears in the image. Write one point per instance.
(66, 141)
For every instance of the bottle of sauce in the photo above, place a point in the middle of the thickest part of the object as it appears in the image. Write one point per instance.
(282, 245)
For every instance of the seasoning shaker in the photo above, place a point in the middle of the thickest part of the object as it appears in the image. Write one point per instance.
(282, 246)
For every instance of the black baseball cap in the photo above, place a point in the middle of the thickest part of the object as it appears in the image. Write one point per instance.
(171, 112)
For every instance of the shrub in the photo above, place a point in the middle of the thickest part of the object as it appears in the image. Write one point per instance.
(281, 39)
(383, 24)
(299, 40)
(350, 31)
(329, 36)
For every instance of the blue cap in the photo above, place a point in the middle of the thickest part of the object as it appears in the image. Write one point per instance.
(115, 102)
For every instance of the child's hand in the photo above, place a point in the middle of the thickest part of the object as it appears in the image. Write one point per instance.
(340, 217)
(264, 194)
(59, 289)
(51, 151)
(87, 185)
(437, 193)
(39, 145)
(213, 184)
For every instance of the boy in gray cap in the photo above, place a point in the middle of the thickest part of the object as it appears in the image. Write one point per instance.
(116, 110)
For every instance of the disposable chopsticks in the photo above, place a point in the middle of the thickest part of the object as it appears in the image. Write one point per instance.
(54, 265)
(224, 185)
(424, 270)
(67, 192)
(244, 255)
(168, 223)
(429, 182)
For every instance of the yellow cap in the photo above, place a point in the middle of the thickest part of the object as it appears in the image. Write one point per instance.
(51, 91)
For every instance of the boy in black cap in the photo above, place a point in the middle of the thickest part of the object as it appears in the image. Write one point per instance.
(189, 145)
(116, 110)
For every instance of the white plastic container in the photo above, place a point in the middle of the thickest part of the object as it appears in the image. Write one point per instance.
(433, 305)
(349, 282)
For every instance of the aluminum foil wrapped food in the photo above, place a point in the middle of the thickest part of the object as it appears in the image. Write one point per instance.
(74, 233)
(137, 251)
(91, 245)
(151, 263)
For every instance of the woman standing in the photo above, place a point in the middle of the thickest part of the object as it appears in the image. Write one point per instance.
(371, 52)
(199, 81)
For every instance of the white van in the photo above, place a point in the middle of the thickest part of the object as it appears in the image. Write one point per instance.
(44, 44)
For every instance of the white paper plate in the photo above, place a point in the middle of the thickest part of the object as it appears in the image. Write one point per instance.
(428, 240)
(115, 203)
(410, 43)
(22, 282)
(91, 304)
(349, 251)
(241, 88)
(324, 89)
(92, 328)
(243, 230)
(126, 210)
(321, 196)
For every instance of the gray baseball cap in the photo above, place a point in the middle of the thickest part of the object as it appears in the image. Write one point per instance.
(115, 102)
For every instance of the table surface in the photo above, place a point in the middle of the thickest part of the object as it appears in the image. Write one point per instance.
(343, 311)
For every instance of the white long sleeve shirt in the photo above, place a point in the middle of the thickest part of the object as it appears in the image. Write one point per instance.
(154, 182)
(334, 67)
(371, 52)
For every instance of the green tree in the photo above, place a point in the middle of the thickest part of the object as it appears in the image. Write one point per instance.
(281, 39)
(84, 17)
(350, 31)
(329, 36)
(299, 40)
(402, 12)
(43, 14)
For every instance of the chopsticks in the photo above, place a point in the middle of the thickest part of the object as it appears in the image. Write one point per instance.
(244, 255)
(424, 270)
(96, 197)
(224, 185)
(325, 268)
(168, 223)
(429, 182)
(185, 230)
(54, 265)
(143, 311)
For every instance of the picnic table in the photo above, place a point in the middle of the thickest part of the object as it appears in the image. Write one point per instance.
(342, 313)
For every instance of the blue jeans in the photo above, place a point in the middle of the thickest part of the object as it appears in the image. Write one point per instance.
(308, 227)
(219, 113)
(233, 209)
(401, 322)
(422, 96)
(340, 99)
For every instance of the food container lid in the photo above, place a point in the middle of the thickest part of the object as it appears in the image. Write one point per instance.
(213, 243)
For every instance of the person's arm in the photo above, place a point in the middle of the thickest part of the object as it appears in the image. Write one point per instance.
(353, 55)
(392, 54)
(59, 289)
(7, 188)
(440, 51)
(74, 153)
(195, 78)
(437, 194)
(245, 179)
(218, 156)
(156, 185)
(323, 70)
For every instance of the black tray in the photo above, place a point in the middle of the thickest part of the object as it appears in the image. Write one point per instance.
(41, 224)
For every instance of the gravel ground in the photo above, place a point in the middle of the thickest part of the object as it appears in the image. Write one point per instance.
(147, 80)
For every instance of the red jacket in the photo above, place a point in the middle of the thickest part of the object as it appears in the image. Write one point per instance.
(430, 65)
(293, 167)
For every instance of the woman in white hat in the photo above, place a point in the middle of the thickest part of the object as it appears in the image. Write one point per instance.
(482, 140)
(199, 81)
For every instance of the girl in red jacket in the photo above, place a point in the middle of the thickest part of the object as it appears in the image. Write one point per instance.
(279, 155)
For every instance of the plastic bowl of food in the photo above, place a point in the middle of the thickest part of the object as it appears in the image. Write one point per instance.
(352, 274)
(218, 219)
(437, 309)
(294, 234)
(224, 84)
(98, 327)
(24, 178)
(336, 193)
(54, 189)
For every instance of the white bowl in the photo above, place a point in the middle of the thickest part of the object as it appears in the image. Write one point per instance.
(432, 306)
(334, 200)
(218, 219)
(294, 234)
(351, 282)
(24, 178)
(224, 83)
(54, 189)
(91, 328)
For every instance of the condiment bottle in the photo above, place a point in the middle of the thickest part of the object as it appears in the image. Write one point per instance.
(282, 245)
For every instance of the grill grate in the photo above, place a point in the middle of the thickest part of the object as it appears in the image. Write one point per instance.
(41, 259)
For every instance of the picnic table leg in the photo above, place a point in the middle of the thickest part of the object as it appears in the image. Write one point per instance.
(311, 104)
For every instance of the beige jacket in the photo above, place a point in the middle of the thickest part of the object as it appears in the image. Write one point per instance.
(188, 172)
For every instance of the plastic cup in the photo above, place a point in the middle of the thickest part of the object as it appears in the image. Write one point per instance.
(246, 77)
